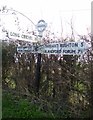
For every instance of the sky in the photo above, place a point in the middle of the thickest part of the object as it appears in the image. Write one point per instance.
(56, 13)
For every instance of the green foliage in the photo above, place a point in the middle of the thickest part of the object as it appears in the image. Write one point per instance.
(11, 83)
(7, 58)
(21, 108)
(80, 86)
(16, 107)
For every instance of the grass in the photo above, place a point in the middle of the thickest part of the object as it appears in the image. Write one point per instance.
(19, 108)
(14, 106)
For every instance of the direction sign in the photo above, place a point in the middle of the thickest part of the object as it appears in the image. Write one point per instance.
(41, 25)
(22, 36)
(28, 49)
(66, 48)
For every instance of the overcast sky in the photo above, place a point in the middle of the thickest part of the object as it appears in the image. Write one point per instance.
(57, 13)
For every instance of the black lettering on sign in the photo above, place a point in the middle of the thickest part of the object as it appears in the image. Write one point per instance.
(80, 51)
(26, 37)
(52, 51)
(76, 44)
(82, 44)
(69, 51)
(14, 34)
(51, 45)
(69, 44)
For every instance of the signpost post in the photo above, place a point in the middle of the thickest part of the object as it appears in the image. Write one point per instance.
(41, 26)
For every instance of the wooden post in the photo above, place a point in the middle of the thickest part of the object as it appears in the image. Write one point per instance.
(38, 76)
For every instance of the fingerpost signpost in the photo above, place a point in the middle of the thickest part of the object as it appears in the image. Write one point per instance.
(41, 26)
